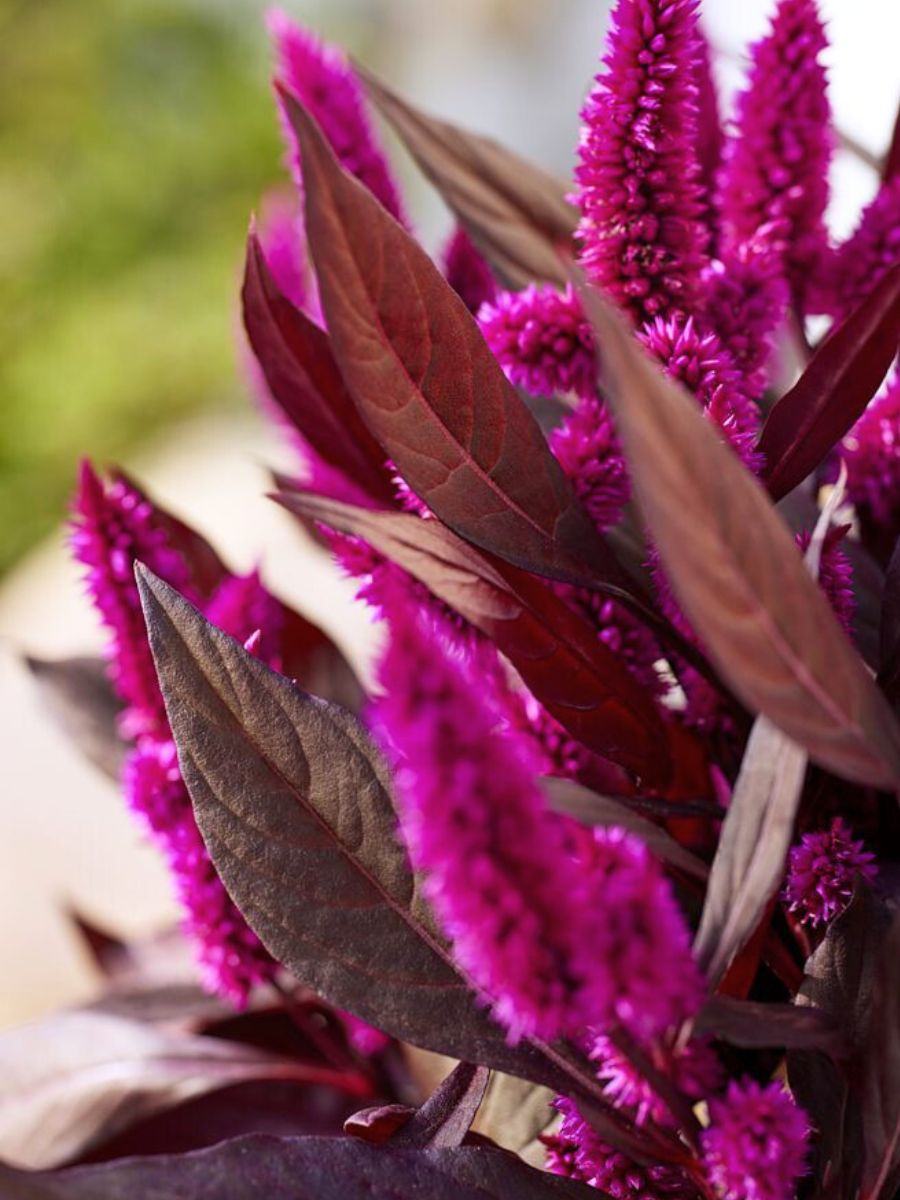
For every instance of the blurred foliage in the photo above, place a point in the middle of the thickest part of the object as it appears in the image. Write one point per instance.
(135, 137)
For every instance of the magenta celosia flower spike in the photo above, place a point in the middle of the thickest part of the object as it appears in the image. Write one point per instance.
(638, 177)
(542, 340)
(112, 526)
(320, 77)
(864, 259)
(697, 359)
(835, 574)
(746, 299)
(755, 1146)
(589, 452)
(577, 1152)
(230, 956)
(467, 272)
(710, 135)
(822, 872)
(495, 859)
(776, 165)
(871, 451)
(283, 241)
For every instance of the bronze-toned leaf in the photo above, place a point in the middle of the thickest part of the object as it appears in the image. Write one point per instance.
(736, 571)
(516, 213)
(293, 801)
(429, 388)
(445, 1117)
(80, 698)
(752, 1024)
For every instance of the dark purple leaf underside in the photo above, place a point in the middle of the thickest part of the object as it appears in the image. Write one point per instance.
(517, 215)
(430, 389)
(833, 391)
(582, 683)
(296, 359)
(79, 696)
(737, 573)
(293, 802)
(889, 633)
(268, 1168)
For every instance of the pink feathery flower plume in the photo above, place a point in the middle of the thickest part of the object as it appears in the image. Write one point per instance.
(822, 872)
(871, 451)
(775, 171)
(756, 1144)
(588, 450)
(495, 859)
(577, 1152)
(542, 340)
(638, 177)
(745, 301)
(835, 574)
(114, 526)
(467, 272)
(694, 1070)
(710, 135)
(320, 77)
(868, 254)
(697, 359)
(283, 241)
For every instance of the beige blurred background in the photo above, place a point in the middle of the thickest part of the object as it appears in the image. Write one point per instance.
(515, 68)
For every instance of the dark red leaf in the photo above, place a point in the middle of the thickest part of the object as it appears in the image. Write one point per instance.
(833, 391)
(579, 680)
(296, 359)
(736, 571)
(314, 1168)
(293, 802)
(430, 389)
(516, 214)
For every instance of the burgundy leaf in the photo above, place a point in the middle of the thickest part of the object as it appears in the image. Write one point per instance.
(880, 1108)
(80, 698)
(516, 214)
(445, 1117)
(379, 1123)
(833, 391)
(313, 1168)
(78, 1078)
(298, 364)
(736, 571)
(292, 799)
(579, 680)
(429, 388)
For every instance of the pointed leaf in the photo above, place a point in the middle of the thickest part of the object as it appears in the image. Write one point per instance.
(429, 388)
(889, 633)
(880, 1115)
(833, 391)
(736, 571)
(753, 1025)
(578, 679)
(516, 213)
(297, 361)
(77, 1078)
(314, 1168)
(445, 1117)
(81, 700)
(292, 799)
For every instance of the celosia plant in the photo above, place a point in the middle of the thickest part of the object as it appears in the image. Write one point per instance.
(617, 827)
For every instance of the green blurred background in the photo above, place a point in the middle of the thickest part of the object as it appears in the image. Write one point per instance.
(135, 137)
